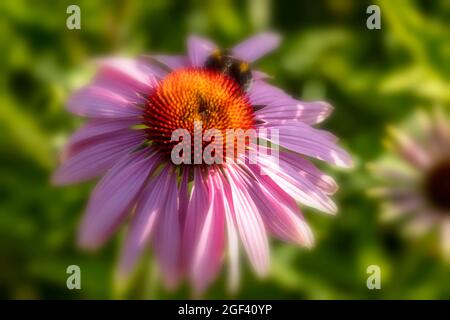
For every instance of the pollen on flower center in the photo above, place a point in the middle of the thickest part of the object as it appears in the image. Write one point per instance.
(195, 94)
(437, 185)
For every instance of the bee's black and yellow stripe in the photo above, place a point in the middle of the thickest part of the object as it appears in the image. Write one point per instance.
(222, 61)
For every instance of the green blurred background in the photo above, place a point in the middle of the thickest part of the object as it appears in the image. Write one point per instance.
(372, 77)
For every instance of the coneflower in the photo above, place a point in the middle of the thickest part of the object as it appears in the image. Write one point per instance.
(416, 177)
(191, 213)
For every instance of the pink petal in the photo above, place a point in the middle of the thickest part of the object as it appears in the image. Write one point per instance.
(257, 46)
(311, 172)
(281, 107)
(98, 102)
(124, 80)
(150, 206)
(280, 212)
(224, 193)
(135, 73)
(113, 198)
(411, 149)
(129, 78)
(184, 196)
(209, 249)
(262, 93)
(197, 209)
(249, 222)
(303, 139)
(199, 49)
(117, 90)
(168, 235)
(173, 62)
(91, 157)
(129, 92)
(259, 75)
(292, 124)
(276, 113)
(295, 185)
(100, 127)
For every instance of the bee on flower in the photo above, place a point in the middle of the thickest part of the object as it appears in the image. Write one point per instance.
(196, 215)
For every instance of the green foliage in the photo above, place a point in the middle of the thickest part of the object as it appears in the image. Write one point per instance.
(372, 77)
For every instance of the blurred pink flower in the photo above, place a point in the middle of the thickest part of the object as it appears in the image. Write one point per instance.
(192, 214)
(417, 177)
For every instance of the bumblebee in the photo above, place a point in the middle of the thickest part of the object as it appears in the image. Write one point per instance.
(223, 62)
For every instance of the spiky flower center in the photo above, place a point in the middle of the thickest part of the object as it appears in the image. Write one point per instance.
(437, 185)
(192, 95)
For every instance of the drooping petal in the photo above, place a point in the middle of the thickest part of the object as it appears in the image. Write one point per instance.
(311, 172)
(281, 106)
(199, 49)
(290, 125)
(257, 46)
(277, 113)
(199, 205)
(184, 197)
(127, 91)
(249, 222)
(224, 193)
(294, 184)
(117, 90)
(151, 205)
(128, 78)
(92, 157)
(261, 94)
(410, 149)
(116, 81)
(113, 198)
(280, 212)
(311, 142)
(98, 102)
(136, 73)
(167, 242)
(209, 249)
(100, 127)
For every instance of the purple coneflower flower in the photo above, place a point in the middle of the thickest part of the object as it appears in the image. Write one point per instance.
(417, 177)
(194, 215)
